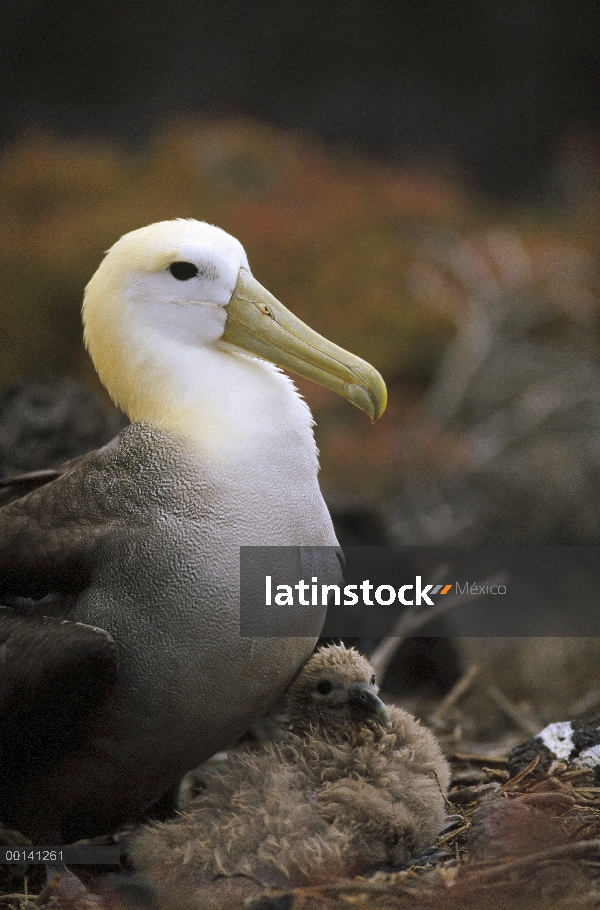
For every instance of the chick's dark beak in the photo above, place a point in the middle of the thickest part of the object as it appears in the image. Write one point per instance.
(367, 703)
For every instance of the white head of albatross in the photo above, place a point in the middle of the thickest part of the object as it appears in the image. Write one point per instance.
(170, 317)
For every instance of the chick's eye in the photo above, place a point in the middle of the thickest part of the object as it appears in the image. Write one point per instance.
(324, 687)
(183, 271)
(373, 680)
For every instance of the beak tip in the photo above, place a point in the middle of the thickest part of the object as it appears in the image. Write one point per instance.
(378, 397)
(370, 396)
(386, 720)
(379, 412)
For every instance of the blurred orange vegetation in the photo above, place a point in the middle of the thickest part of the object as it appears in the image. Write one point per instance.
(348, 245)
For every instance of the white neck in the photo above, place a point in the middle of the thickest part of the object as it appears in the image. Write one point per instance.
(228, 405)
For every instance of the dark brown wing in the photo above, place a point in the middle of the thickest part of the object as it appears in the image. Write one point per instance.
(54, 539)
(54, 675)
(47, 536)
(17, 485)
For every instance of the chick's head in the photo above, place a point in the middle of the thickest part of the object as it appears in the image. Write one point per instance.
(334, 688)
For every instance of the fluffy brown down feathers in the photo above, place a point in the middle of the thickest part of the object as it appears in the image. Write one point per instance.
(340, 794)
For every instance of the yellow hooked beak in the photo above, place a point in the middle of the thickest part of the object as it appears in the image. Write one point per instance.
(259, 324)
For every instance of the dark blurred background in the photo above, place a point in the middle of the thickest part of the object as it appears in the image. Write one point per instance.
(490, 88)
(420, 182)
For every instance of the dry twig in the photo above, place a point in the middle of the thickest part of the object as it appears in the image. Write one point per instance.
(522, 719)
(460, 688)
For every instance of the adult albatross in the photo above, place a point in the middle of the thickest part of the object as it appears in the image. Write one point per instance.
(121, 660)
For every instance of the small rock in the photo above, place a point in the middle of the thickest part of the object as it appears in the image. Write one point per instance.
(575, 742)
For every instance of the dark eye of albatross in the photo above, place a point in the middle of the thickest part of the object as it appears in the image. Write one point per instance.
(324, 687)
(373, 680)
(183, 271)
